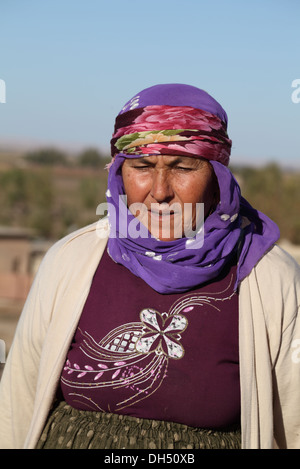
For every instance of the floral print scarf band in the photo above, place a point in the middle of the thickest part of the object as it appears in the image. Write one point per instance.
(171, 130)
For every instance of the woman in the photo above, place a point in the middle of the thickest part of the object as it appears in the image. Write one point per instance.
(180, 328)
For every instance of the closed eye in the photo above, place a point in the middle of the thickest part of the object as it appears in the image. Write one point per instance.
(142, 167)
(184, 168)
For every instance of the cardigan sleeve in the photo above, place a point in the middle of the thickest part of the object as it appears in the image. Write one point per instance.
(282, 303)
(19, 379)
(18, 385)
(45, 326)
(286, 373)
(270, 353)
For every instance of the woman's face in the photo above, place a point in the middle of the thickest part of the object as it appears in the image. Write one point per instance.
(165, 190)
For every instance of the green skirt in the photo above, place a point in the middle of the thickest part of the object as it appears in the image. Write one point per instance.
(69, 428)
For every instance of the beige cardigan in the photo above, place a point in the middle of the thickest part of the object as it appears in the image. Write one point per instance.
(269, 344)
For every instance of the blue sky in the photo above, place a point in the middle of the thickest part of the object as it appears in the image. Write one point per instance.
(70, 65)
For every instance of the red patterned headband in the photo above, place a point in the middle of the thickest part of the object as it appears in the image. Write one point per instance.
(171, 130)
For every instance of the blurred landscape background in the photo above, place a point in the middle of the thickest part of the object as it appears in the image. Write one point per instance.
(50, 192)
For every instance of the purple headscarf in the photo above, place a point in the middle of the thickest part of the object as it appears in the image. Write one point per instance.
(233, 228)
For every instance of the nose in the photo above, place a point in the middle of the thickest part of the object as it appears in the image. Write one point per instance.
(161, 190)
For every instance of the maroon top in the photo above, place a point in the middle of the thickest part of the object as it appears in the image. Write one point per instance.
(166, 357)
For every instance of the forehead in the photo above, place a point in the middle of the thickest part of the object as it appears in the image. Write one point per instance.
(167, 160)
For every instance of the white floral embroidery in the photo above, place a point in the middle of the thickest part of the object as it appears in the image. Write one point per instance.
(132, 104)
(153, 340)
(158, 257)
(134, 356)
(150, 254)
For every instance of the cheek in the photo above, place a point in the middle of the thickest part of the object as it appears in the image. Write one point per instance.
(202, 189)
(209, 191)
(199, 189)
(135, 188)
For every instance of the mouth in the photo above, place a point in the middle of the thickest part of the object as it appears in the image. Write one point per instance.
(161, 214)
(162, 211)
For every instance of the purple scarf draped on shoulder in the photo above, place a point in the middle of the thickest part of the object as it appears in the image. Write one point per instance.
(183, 120)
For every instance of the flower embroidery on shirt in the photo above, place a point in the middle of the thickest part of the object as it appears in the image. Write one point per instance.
(161, 334)
(132, 360)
